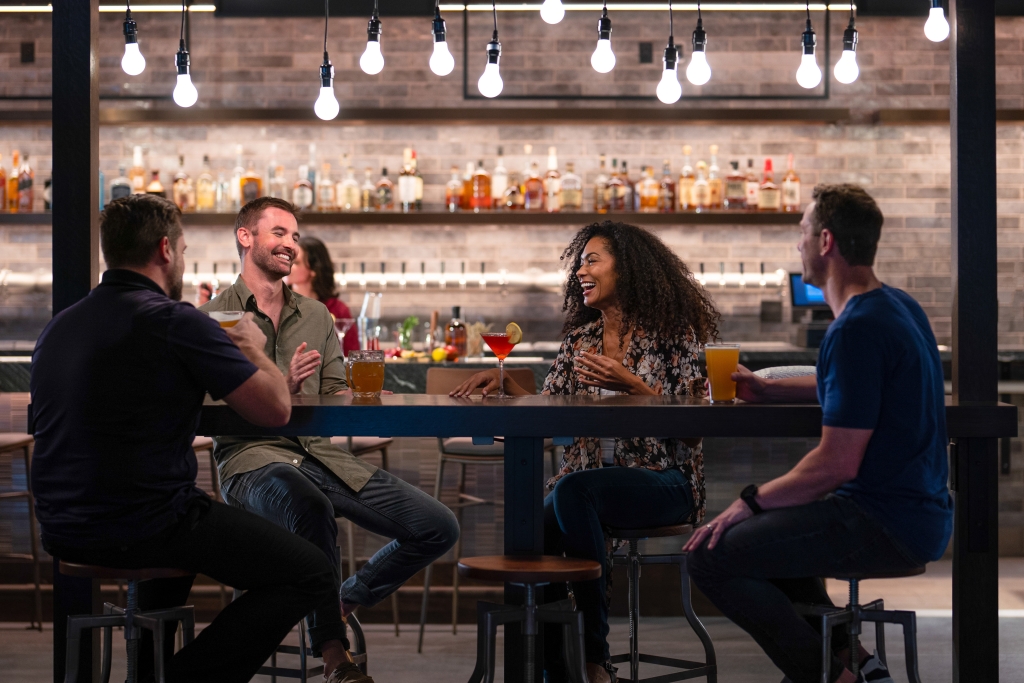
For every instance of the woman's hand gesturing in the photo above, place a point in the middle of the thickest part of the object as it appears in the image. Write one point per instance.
(600, 371)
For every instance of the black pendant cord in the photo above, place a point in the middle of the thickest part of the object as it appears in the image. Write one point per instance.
(671, 31)
(494, 11)
(326, 16)
(182, 37)
(699, 19)
(376, 10)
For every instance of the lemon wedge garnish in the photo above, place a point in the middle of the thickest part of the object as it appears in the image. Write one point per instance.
(515, 334)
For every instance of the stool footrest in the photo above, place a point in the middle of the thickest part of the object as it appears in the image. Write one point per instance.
(675, 558)
(669, 678)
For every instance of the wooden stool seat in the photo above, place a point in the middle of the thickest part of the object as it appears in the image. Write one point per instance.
(864, 576)
(92, 571)
(529, 569)
(10, 441)
(653, 532)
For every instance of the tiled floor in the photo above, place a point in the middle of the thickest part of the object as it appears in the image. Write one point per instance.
(25, 655)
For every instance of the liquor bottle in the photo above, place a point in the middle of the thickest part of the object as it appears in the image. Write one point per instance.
(385, 192)
(533, 192)
(666, 189)
(527, 151)
(790, 188)
(601, 188)
(649, 191)
(137, 173)
(348, 191)
(481, 189)
(686, 179)
(325, 197)
(251, 184)
(12, 182)
(752, 185)
(182, 190)
(3, 186)
(417, 181)
(406, 183)
(714, 180)
(616, 189)
(552, 182)
(236, 180)
(368, 192)
(155, 187)
(278, 185)
(302, 191)
(466, 201)
(26, 179)
(735, 188)
(513, 199)
(311, 171)
(222, 194)
(499, 181)
(632, 198)
(571, 194)
(268, 179)
(206, 188)
(455, 333)
(121, 186)
(769, 198)
(701, 188)
(453, 192)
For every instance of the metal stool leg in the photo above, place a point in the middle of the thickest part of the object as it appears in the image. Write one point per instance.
(826, 647)
(909, 622)
(710, 659)
(457, 549)
(430, 567)
(634, 611)
(131, 632)
(853, 628)
(302, 650)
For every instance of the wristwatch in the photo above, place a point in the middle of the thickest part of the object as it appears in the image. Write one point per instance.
(747, 496)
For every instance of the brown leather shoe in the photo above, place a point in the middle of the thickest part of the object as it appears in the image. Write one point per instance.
(348, 672)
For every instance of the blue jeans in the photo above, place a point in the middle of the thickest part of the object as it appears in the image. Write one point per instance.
(306, 499)
(764, 564)
(575, 516)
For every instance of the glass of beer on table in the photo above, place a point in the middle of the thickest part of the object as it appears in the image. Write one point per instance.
(227, 318)
(722, 360)
(365, 371)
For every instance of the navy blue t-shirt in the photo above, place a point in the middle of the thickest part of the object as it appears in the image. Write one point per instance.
(879, 368)
(117, 383)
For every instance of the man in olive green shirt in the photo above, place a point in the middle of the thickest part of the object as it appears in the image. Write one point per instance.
(304, 483)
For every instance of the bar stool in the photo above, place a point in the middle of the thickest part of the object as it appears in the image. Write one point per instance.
(529, 572)
(463, 451)
(11, 443)
(854, 613)
(304, 652)
(633, 561)
(131, 618)
(360, 446)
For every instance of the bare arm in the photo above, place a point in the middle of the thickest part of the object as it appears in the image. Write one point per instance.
(754, 389)
(263, 399)
(487, 381)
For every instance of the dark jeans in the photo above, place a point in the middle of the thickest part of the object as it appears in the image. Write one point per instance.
(575, 516)
(282, 575)
(307, 499)
(763, 565)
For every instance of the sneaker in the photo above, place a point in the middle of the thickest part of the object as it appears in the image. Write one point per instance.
(873, 670)
(348, 673)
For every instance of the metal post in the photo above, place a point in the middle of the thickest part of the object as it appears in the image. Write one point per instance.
(975, 314)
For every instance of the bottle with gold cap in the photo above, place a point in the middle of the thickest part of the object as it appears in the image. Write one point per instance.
(714, 180)
(684, 190)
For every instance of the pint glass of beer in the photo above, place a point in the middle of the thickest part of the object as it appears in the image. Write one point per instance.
(366, 373)
(722, 360)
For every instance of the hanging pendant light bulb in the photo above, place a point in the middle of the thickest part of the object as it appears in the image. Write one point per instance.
(846, 70)
(133, 62)
(698, 71)
(441, 61)
(490, 83)
(326, 106)
(936, 29)
(185, 94)
(808, 75)
(552, 11)
(669, 91)
(372, 60)
(603, 59)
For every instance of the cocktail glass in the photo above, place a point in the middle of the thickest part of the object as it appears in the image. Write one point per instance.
(342, 326)
(498, 343)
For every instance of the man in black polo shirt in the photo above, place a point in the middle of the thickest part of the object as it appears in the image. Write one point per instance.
(117, 383)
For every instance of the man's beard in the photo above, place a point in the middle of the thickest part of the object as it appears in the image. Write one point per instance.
(265, 260)
(175, 282)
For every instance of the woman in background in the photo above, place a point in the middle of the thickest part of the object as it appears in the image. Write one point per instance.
(313, 276)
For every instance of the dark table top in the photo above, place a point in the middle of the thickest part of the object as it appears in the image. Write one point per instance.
(561, 416)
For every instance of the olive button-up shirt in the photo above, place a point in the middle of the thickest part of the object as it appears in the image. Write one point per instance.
(302, 320)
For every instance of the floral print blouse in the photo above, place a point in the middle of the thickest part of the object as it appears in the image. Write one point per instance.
(672, 362)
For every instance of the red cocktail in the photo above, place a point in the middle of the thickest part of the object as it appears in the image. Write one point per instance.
(500, 344)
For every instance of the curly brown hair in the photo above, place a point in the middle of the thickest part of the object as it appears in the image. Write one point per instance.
(655, 289)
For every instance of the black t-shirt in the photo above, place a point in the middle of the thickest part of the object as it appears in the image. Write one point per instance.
(117, 383)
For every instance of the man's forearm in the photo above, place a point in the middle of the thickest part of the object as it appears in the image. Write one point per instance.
(792, 390)
(811, 479)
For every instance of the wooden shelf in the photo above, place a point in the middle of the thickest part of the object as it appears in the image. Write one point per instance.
(500, 218)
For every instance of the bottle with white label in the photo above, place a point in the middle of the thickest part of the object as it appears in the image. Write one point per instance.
(302, 192)
(499, 181)
(753, 185)
(790, 188)
(552, 183)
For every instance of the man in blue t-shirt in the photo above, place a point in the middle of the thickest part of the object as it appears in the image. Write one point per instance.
(873, 495)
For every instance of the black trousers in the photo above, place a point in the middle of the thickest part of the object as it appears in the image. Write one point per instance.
(283, 577)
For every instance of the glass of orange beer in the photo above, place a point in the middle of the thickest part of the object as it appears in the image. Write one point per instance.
(365, 370)
(722, 360)
(227, 318)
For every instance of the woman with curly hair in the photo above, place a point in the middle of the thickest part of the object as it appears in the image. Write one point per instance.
(635, 321)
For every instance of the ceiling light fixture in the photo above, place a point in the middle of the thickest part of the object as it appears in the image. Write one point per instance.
(185, 94)
(846, 70)
(603, 59)
(669, 91)
(490, 83)
(441, 61)
(133, 62)
(936, 29)
(326, 106)
(552, 11)
(698, 71)
(372, 61)
(808, 75)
